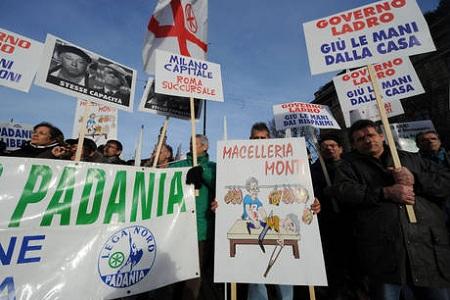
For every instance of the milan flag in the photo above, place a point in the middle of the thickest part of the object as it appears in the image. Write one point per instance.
(177, 26)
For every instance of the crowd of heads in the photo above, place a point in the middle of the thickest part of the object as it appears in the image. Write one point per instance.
(47, 141)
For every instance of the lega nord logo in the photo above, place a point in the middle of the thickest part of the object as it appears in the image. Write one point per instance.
(127, 256)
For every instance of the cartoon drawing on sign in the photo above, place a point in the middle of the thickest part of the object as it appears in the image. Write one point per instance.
(256, 227)
(90, 124)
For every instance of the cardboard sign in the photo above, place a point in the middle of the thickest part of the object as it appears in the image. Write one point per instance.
(185, 76)
(300, 114)
(397, 79)
(102, 122)
(96, 231)
(368, 34)
(77, 72)
(19, 60)
(265, 231)
(167, 105)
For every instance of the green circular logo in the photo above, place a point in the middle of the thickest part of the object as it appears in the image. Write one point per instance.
(116, 260)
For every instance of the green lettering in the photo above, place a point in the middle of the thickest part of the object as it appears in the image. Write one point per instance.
(83, 216)
(139, 190)
(28, 196)
(119, 189)
(162, 181)
(55, 207)
(176, 193)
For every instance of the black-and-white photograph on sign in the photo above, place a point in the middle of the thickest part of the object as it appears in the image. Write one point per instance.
(77, 72)
(168, 105)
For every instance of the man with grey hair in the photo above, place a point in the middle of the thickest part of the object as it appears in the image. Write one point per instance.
(203, 176)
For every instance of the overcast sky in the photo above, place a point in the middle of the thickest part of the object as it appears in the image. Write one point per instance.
(258, 43)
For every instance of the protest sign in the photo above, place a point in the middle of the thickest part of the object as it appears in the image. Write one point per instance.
(299, 114)
(185, 76)
(368, 34)
(396, 79)
(265, 230)
(15, 135)
(167, 105)
(94, 231)
(405, 133)
(101, 124)
(77, 72)
(371, 112)
(19, 60)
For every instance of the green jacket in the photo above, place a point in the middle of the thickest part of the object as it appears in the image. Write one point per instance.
(205, 218)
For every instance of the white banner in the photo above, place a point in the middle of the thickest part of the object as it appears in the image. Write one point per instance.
(93, 231)
(77, 72)
(265, 230)
(368, 34)
(15, 135)
(371, 112)
(19, 60)
(300, 114)
(101, 124)
(187, 77)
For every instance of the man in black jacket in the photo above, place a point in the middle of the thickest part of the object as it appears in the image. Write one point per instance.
(393, 252)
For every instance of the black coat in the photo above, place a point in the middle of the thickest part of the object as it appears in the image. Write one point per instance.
(389, 247)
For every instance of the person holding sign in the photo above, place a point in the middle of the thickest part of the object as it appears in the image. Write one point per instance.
(203, 177)
(393, 252)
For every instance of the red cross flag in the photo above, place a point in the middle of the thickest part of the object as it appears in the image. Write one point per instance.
(177, 26)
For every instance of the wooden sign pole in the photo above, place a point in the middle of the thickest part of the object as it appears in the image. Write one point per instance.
(160, 142)
(388, 133)
(194, 141)
(82, 132)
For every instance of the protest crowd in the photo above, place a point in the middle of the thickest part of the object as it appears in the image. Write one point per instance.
(371, 251)
(360, 216)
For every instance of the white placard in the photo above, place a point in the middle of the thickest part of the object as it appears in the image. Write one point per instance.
(168, 105)
(368, 34)
(19, 60)
(184, 76)
(77, 72)
(396, 79)
(102, 122)
(14, 134)
(266, 184)
(300, 114)
(371, 112)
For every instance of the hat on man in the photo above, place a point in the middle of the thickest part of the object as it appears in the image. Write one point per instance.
(332, 137)
(77, 51)
(119, 72)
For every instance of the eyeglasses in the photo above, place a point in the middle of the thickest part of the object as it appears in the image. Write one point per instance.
(111, 146)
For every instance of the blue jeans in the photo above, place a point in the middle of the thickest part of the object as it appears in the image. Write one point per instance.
(387, 291)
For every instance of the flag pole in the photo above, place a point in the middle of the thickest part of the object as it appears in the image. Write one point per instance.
(160, 142)
(388, 133)
(138, 149)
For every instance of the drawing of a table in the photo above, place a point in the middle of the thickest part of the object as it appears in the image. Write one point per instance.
(238, 235)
